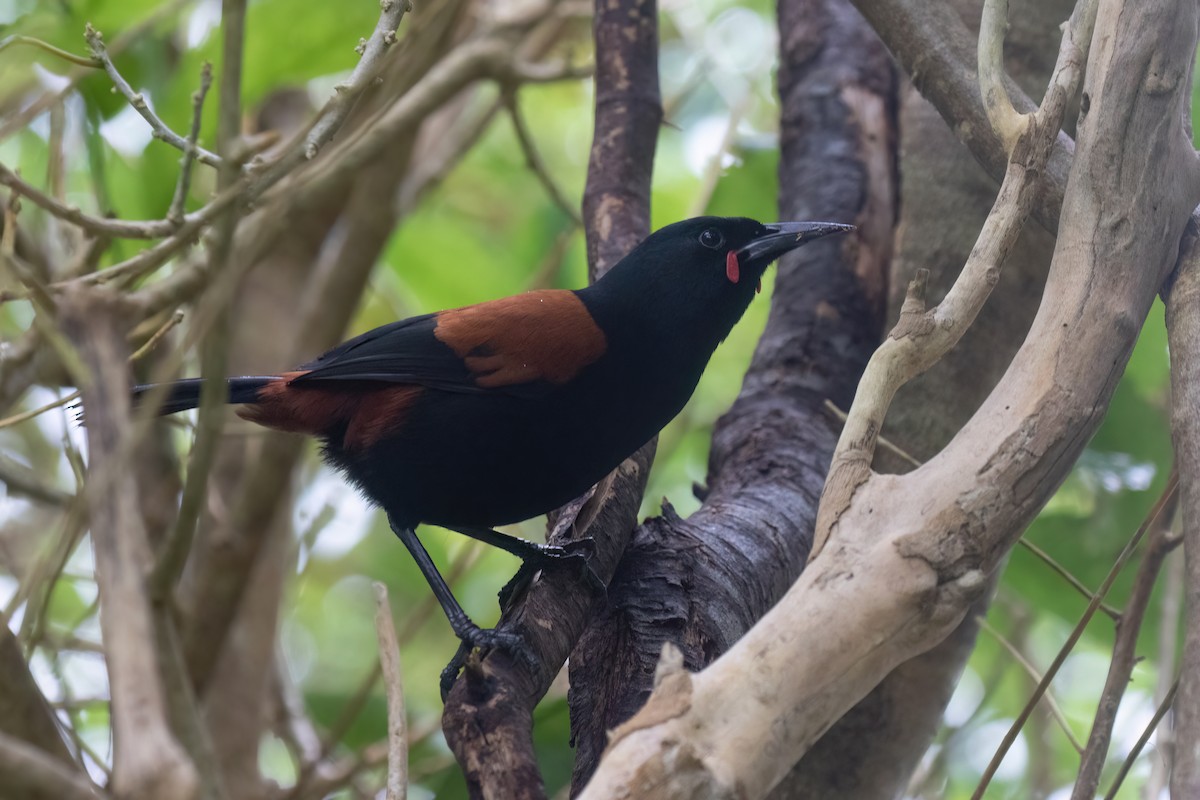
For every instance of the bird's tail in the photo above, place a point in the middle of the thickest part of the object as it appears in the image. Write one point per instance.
(185, 394)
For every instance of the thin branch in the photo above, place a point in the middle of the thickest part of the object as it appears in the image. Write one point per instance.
(1120, 667)
(535, 162)
(1055, 711)
(57, 52)
(1168, 638)
(1147, 732)
(1006, 121)
(1152, 518)
(175, 213)
(95, 41)
(372, 54)
(397, 726)
(1066, 575)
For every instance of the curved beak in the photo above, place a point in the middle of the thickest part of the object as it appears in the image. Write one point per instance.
(784, 236)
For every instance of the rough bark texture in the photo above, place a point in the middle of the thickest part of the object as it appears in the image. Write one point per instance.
(1183, 336)
(700, 583)
(946, 194)
(488, 716)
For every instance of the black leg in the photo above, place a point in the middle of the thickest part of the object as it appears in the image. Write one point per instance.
(466, 630)
(538, 556)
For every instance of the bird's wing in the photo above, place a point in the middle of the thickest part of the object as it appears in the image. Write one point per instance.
(525, 344)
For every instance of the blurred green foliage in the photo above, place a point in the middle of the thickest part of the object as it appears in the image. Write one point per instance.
(486, 232)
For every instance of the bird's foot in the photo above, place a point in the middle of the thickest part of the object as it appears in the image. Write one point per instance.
(578, 552)
(485, 639)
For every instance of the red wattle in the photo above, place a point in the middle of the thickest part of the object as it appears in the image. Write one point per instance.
(732, 270)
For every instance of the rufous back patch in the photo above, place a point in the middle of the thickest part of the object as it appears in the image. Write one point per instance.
(369, 412)
(546, 335)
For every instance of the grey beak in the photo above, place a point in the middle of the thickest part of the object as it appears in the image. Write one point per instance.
(784, 236)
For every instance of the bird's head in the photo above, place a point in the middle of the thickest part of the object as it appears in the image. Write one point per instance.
(710, 267)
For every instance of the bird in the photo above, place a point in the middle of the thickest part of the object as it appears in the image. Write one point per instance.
(477, 417)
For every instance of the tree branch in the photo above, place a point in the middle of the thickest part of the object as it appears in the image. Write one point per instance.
(148, 763)
(1183, 338)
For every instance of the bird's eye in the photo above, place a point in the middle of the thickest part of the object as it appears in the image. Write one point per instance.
(711, 237)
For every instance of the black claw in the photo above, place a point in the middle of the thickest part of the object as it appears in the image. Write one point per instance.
(485, 639)
(579, 551)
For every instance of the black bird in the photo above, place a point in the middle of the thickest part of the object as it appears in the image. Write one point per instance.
(494, 413)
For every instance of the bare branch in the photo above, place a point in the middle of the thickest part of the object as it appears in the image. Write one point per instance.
(95, 41)
(1055, 710)
(1120, 667)
(1008, 124)
(175, 213)
(1153, 522)
(397, 727)
(536, 164)
(148, 762)
(372, 54)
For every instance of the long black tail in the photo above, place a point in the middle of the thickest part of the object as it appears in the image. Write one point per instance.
(185, 394)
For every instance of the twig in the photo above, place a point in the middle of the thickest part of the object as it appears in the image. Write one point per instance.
(20, 120)
(1167, 497)
(533, 159)
(370, 65)
(1120, 667)
(461, 565)
(884, 442)
(95, 41)
(58, 52)
(389, 659)
(98, 226)
(1168, 637)
(1006, 121)
(1019, 657)
(1065, 574)
(1147, 732)
(175, 214)
(215, 348)
(17, 419)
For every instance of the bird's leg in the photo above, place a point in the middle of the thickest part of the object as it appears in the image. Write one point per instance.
(467, 631)
(536, 556)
